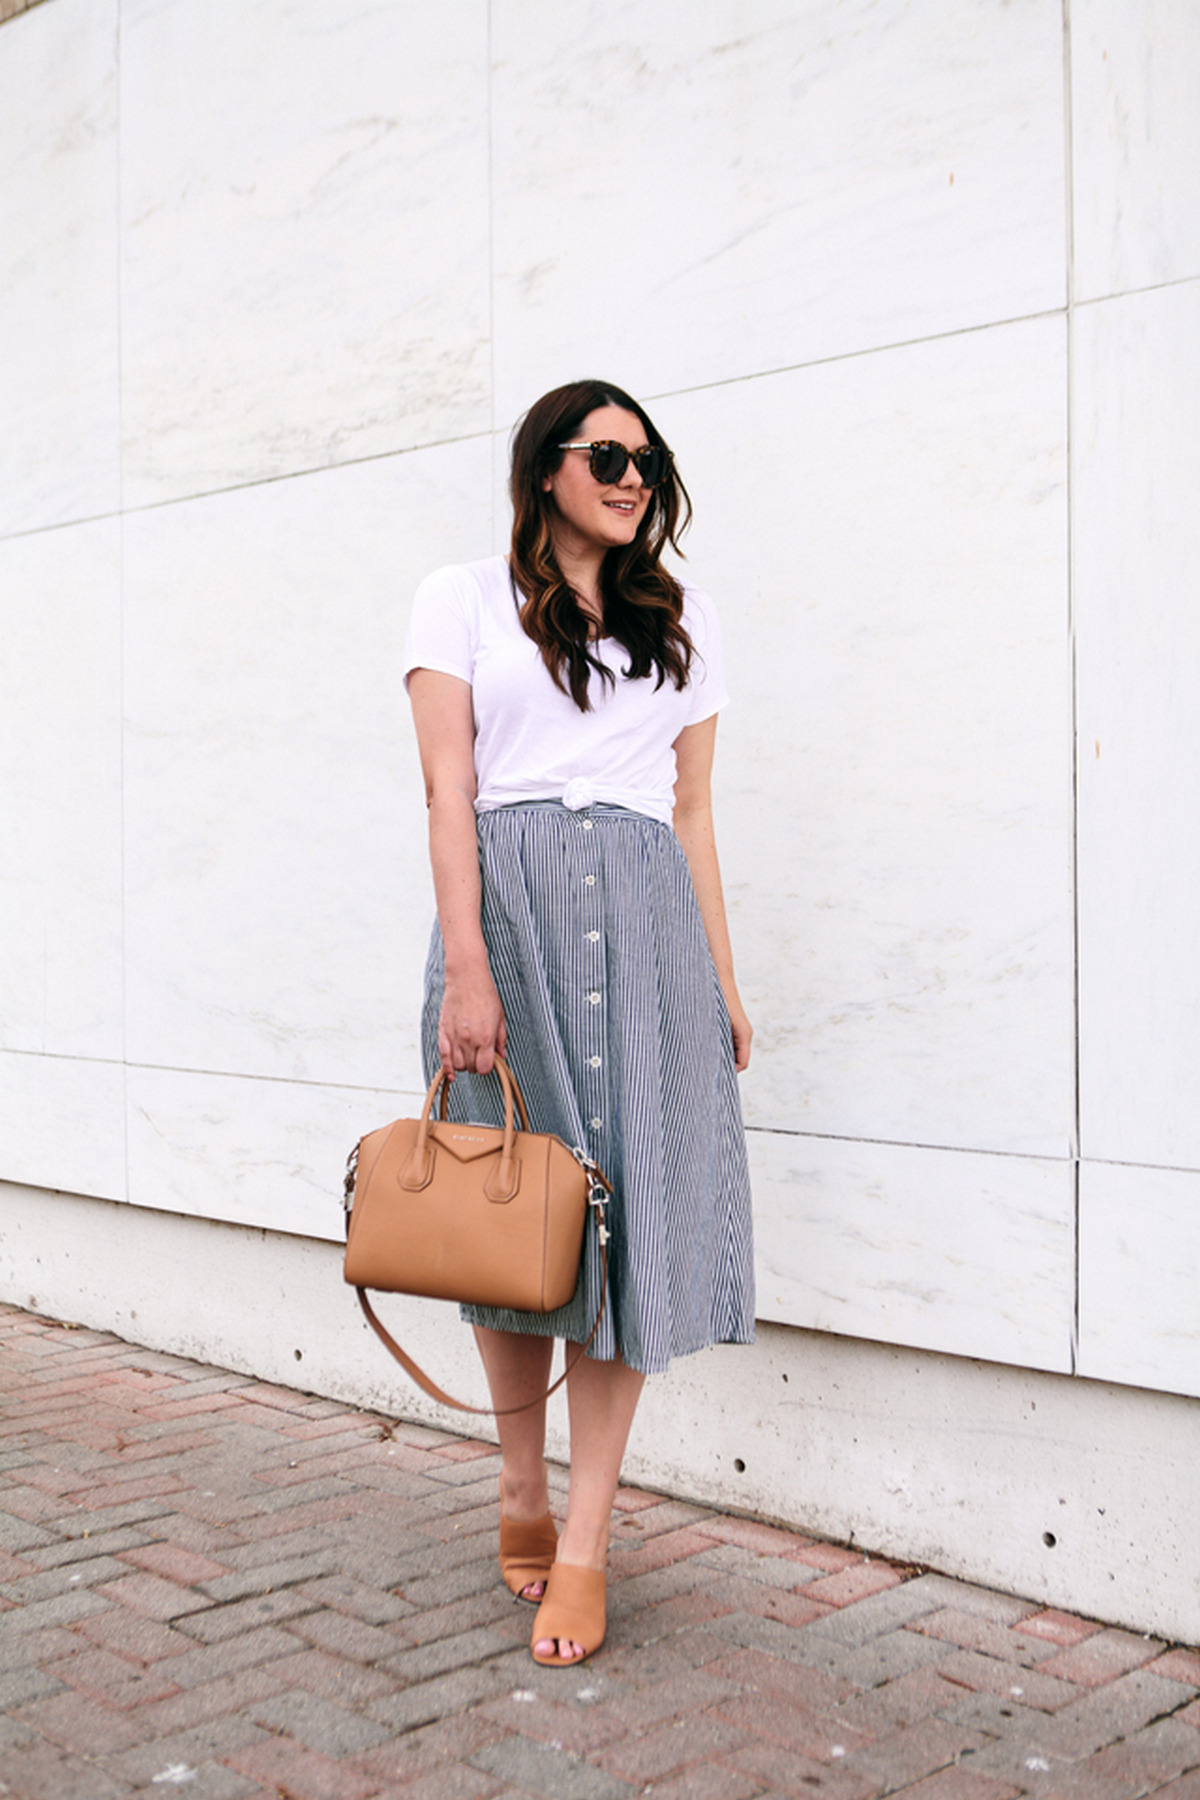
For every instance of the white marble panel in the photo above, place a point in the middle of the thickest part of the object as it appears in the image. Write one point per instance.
(269, 1153)
(305, 236)
(60, 442)
(1139, 1249)
(886, 539)
(938, 1249)
(60, 791)
(1136, 473)
(1135, 115)
(277, 888)
(685, 194)
(62, 1124)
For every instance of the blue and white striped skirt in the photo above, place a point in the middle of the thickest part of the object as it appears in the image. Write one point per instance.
(619, 1037)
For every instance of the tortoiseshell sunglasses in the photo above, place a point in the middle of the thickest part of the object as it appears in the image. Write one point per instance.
(608, 461)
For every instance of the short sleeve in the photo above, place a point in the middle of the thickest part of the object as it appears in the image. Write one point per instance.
(707, 692)
(443, 629)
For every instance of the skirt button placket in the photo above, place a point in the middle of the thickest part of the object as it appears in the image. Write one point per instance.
(594, 964)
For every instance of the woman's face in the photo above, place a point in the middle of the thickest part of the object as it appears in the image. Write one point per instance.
(595, 514)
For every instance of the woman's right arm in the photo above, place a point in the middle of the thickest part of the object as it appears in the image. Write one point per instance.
(471, 1028)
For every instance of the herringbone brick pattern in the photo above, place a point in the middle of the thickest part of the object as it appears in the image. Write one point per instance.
(216, 1587)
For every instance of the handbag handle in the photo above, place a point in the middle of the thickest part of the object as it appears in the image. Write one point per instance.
(501, 1185)
(599, 1189)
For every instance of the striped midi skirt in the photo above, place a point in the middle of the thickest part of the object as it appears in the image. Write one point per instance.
(619, 1037)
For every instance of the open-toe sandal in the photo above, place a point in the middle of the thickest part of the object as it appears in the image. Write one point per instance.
(527, 1548)
(573, 1612)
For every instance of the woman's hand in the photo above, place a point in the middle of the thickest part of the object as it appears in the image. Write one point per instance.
(471, 1029)
(743, 1031)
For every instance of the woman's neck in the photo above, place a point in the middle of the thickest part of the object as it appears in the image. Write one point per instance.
(581, 565)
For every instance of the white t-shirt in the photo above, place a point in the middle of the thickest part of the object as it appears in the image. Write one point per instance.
(531, 740)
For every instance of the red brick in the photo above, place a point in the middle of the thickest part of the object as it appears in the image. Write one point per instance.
(670, 1748)
(987, 1675)
(315, 1512)
(827, 1556)
(336, 1677)
(192, 1403)
(262, 1393)
(211, 1700)
(143, 1381)
(960, 1784)
(150, 1595)
(579, 1730)
(452, 1782)
(1178, 1665)
(854, 1583)
(973, 1631)
(121, 1493)
(43, 1772)
(796, 1683)
(782, 1719)
(656, 1553)
(370, 1429)
(1058, 1627)
(768, 1540)
(660, 1658)
(682, 1610)
(768, 1602)
(77, 1723)
(1186, 1788)
(915, 1752)
(448, 1740)
(51, 1642)
(153, 1448)
(174, 1564)
(632, 1500)
(465, 1450)
(710, 1781)
(114, 1680)
(785, 1772)
(52, 1481)
(285, 1766)
(1101, 1658)
(132, 1635)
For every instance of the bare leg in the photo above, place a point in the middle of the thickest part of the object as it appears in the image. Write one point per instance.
(603, 1399)
(518, 1367)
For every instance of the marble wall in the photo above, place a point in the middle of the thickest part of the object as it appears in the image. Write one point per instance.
(914, 293)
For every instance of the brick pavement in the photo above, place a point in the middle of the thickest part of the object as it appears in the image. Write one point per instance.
(224, 1589)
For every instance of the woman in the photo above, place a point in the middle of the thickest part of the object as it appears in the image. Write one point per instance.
(565, 702)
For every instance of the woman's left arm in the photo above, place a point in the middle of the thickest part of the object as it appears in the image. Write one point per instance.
(694, 828)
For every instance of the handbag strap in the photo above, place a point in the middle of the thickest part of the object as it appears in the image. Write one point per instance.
(599, 1190)
(440, 1395)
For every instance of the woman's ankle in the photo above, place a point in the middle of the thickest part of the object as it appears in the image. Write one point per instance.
(585, 1547)
(524, 1495)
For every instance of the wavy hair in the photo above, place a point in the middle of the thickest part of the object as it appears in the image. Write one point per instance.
(643, 602)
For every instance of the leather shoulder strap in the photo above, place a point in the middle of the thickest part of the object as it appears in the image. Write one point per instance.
(440, 1395)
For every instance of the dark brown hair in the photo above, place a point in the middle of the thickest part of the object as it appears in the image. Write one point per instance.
(643, 602)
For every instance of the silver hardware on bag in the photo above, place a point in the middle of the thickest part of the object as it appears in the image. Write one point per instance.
(348, 1183)
(599, 1191)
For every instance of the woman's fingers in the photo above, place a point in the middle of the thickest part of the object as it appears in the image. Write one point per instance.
(743, 1033)
(470, 1032)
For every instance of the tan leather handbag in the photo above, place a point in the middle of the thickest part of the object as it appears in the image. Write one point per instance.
(475, 1213)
